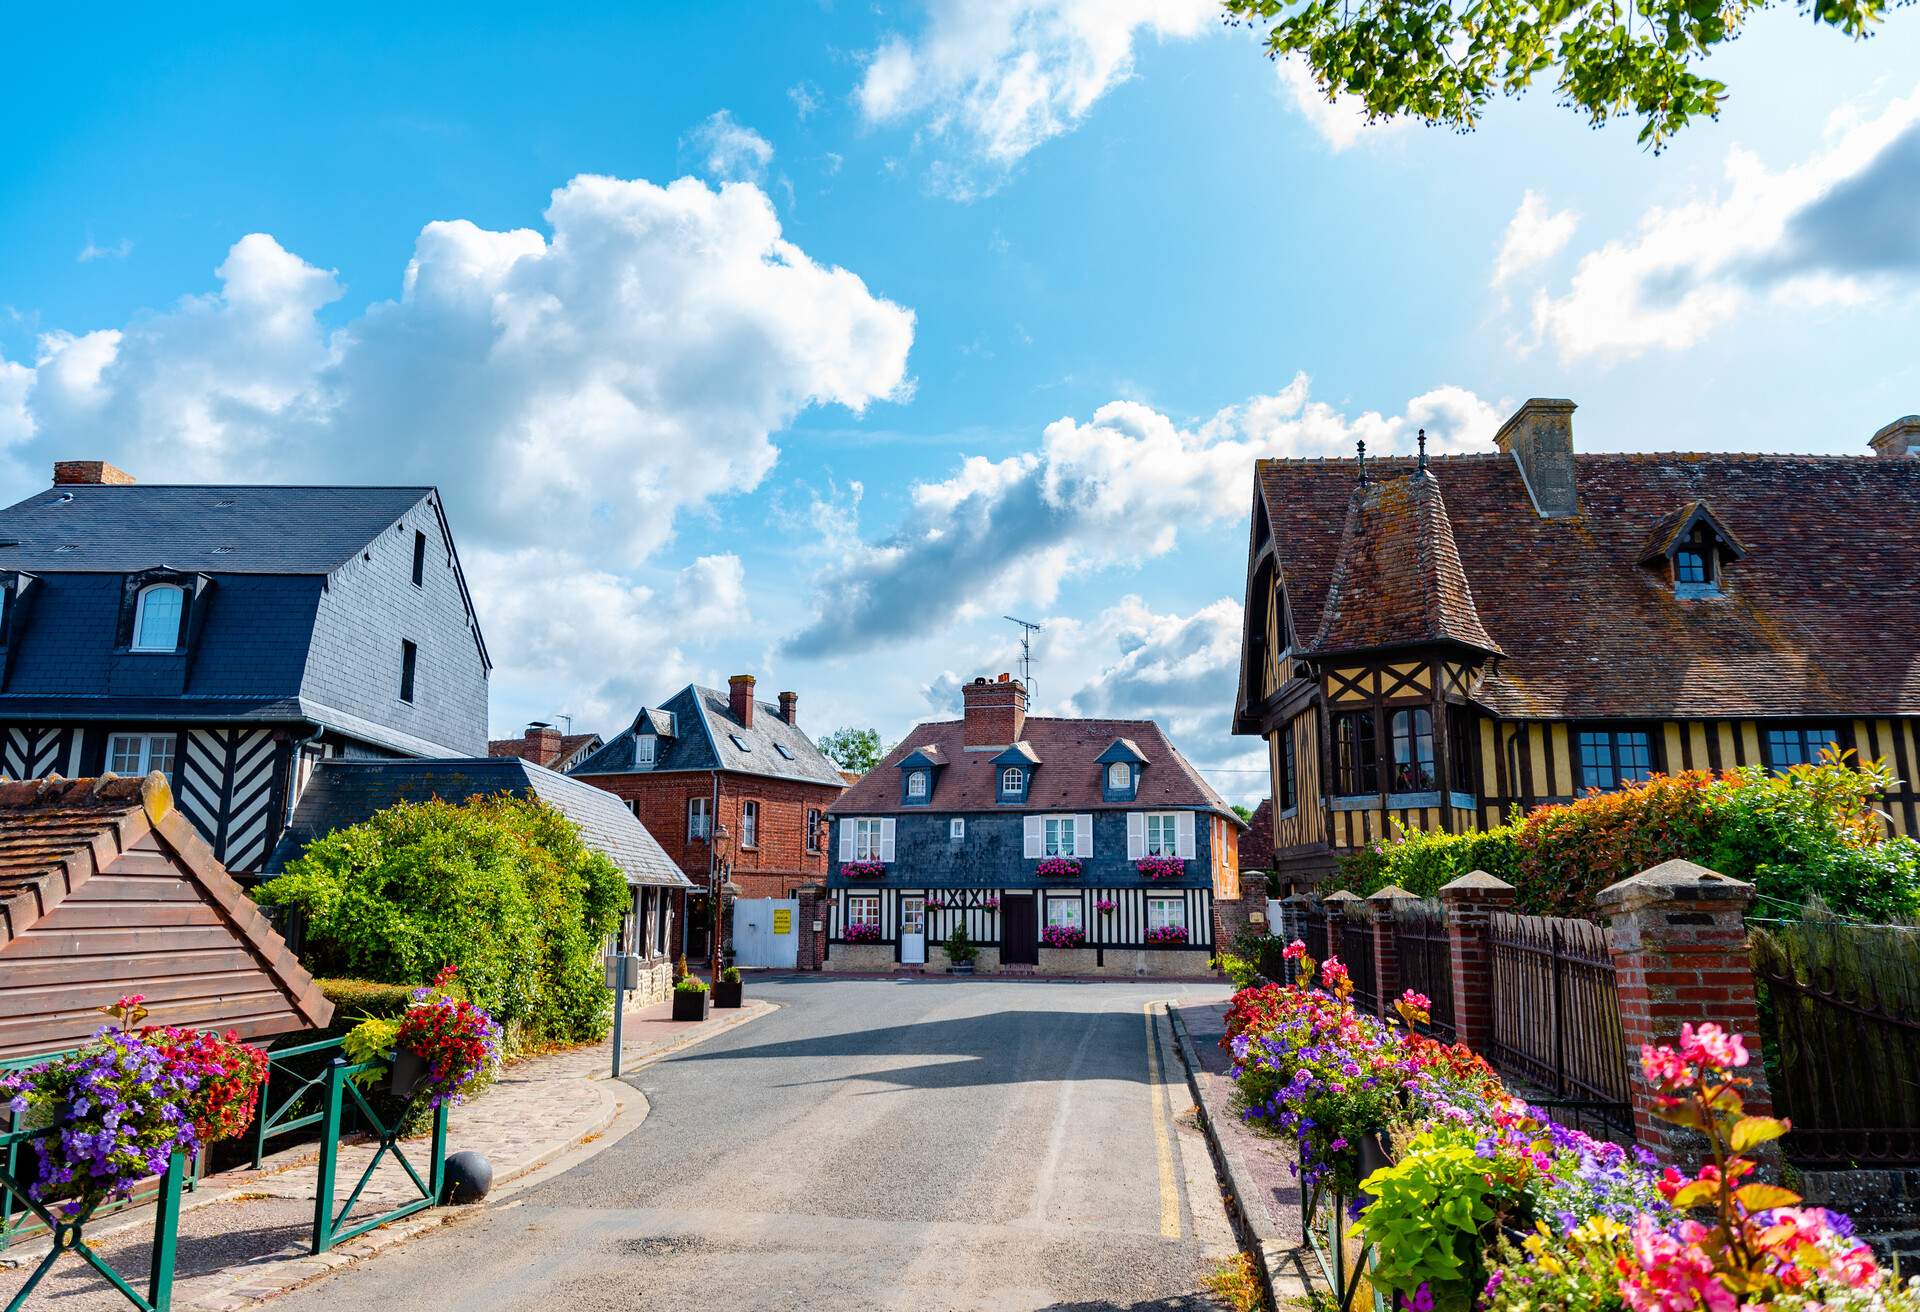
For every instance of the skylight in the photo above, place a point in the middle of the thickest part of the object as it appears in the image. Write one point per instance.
(740, 742)
(783, 750)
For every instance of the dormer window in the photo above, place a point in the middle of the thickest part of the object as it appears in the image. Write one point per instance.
(156, 617)
(917, 784)
(1120, 777)
(1693, 562)
(1013, 782)
(644, 748)
(1691, 547)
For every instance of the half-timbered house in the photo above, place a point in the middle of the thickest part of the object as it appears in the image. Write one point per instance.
(231, 637)
(1444, 643)
(1031, 831)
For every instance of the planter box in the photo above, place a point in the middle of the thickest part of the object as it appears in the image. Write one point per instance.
(407, 1073)
(688, 1005)
(729, 995)
(960, 968)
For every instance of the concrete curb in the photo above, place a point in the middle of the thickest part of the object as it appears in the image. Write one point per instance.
(1282, 1274)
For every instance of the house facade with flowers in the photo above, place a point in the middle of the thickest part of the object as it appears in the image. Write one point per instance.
(1060, 846)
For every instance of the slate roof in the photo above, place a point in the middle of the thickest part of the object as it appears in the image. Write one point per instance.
(705, 729)
(1067, 778)
(345, 791)
(122, 529)
(1819, 616)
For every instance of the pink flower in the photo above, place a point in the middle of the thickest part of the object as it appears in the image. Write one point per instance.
(1709, 1045)
(1664, 1068)
(1295, 950)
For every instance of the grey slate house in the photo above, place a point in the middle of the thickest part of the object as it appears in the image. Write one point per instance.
(1062, 846)
(231, 637)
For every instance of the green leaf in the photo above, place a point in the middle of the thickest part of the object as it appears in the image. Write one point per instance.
(1754, 1130)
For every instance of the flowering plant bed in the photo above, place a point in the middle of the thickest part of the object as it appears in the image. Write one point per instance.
(863, 869)
(862, 934)
(1058, 865)
(1161, 867)
(1167, 934)
(1063, 936)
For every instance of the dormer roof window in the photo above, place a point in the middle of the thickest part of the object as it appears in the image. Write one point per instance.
(1120, 767)
(916, 783)
(1691, 546)
(917, 770)
(645, 749)
(156, 617)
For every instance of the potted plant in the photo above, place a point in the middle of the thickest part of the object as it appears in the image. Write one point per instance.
(863, 869)
(1063, 936)
(728, 992)
(1161, 867)
(862, 934)
(1167, 935)
(1104, 906)
(1060, 866)
(960, 951)
(434, 1050)
(691, 1000)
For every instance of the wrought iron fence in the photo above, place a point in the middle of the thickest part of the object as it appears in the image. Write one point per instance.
(1425, 956)
(1840, 1025)
(1316, 930)
(1556, 1019)
(1356, 953)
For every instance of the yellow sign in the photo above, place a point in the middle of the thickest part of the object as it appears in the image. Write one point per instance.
(782, 920)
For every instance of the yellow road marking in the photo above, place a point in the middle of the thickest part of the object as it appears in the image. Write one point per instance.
(1162, 1143)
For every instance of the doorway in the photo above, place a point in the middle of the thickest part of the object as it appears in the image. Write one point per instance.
(1019, 930)
(913, 931)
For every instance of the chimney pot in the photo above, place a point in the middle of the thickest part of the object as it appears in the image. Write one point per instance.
(996, 712)
(90, 471)
(790, 707)
(1899, 439)
(740, 699)
(1540, 437)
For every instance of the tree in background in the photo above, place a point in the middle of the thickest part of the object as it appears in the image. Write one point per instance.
(1244, 812)
(858, 750)
(1442, 62)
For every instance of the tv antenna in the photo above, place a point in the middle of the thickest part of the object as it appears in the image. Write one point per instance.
(1027, 629)
(569, 722)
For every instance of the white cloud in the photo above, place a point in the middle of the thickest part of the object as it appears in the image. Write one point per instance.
(996, 78)
(118, 250)
(710, 595)
(1107, 493)
(730, 151)
(806, 99)
(1834, 228)
(1341, 123)
(1534, 236)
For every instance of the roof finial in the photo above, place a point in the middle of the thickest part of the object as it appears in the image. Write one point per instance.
(1423, 448)
(1363, 461)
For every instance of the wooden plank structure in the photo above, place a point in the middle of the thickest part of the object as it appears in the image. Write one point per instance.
(107, 889)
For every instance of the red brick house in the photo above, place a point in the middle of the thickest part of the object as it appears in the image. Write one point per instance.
(704, 755)
(545, 745)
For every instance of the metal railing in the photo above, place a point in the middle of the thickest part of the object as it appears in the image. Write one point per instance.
(1355, 936)
(270, 1122)
(1425, 957)
(1556, 1020)
(330, 1227)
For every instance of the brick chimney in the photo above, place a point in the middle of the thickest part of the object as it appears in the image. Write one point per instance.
(1901, 438)
(740, 698)
(1540, 438)
(89, 471)
(996, 711)
(790, 707)
(543, 743)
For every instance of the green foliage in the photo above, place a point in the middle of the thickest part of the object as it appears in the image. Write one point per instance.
(731, 975)
(1426, 1216)
(960, 948)
(502, 888)
(371, 1040)
(355, 999)
(1443, 63)
(1244, 812)
(1244, 973)
(691, 984)
(858, 750)
(1423, 863)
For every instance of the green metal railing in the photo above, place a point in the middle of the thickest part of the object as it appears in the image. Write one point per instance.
(1324, 1222)
(69, 1232)
(270, 1122)
(330, 1227)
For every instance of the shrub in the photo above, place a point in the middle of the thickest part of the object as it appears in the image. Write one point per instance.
(691, 984)
(1423, 863)
(356, 999)
(500, 888)
(731, 975)
(960, 948)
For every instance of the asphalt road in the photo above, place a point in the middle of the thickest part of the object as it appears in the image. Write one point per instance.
(926, 1144)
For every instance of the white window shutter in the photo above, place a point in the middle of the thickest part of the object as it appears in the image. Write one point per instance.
(886, 840)
(1183, 835)
(847, 848)
(1036, 840)
(1083, 836)
(1136, 835)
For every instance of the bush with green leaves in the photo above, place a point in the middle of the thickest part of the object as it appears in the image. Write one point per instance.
(501, 888)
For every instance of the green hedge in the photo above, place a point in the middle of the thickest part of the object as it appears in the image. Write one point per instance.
(356, 999)
(1808, 832)
(501, 888)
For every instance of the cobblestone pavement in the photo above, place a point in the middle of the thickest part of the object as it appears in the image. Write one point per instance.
(244, 1234)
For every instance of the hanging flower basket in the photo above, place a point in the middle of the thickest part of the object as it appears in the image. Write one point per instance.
(1167, 934)
(992, 903)
(1063, 936)
(1161, 867)
(863, 934)
(1060, 866)
(1104, 906)
(936, 903)
(863, 869)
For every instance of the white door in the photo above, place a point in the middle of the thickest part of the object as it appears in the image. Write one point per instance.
(766, 932)
(913, 931)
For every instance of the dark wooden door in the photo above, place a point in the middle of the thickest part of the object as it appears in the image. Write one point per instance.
(1019, 930)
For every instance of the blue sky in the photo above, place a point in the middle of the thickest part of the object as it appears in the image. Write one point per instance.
(961, 309)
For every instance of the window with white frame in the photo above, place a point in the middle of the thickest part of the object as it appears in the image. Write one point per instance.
(1066, 911)
(863, 909)
(1119, 776)
(867, 839)
(1166, 913)
(957, 830)
(643, 749)
(916, 783)
(1163, 834)
(699, 817)
(1013, 781)
(813, 829)
(140, 753)
(750, 824)
(1057, 836)
(156, 617)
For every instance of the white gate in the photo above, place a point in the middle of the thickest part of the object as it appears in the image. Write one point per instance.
(766, 931)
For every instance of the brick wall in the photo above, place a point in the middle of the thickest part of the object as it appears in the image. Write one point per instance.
(774, 867)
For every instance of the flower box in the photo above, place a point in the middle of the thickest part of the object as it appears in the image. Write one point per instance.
(1058, 866)
(863, 869)
(729, 995)
(692, 1004)
(1064, 936)
(1161, 867)
(406, 1073)
(1104, 906)
(862, 934)
(1167, 935)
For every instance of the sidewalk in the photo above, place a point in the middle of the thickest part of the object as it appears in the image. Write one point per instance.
(245, 1234)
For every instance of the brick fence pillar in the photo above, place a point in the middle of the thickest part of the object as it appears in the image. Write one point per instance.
(813, 907)
(1679, 948)
(1470, 902)
(1386, 947)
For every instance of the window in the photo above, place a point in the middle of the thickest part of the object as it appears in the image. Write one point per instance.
(813, 829)
(863, 909)
(957, 830)
(633, 805)
(1611, 757)
(750, 824)
(916, 783)
(1057, 836)
(740, 742)
(660, 921)
(419, 558)
(1693, 562)
(784, 750)
(1166, 913)
(1413, 751)
(1066, 911)
(1791, 747)
(867, 840)
(1460, 745)
(699, 817)
(1287, 778)
(644, 746)
(1355, 754)
(409, 658)
(1163, 834)
(1013, 781)
(139, 754)
(1120, 777)
(156, 617)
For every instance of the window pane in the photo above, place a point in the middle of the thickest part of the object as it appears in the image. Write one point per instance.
(1689, 566)
(1412, 751)
(1635, 755)
(1355, 752)
(160, 753)
(1596, 760)
(125, 753)
(863, 910)
(1063, 911)
(1784, 748)
(159, 627)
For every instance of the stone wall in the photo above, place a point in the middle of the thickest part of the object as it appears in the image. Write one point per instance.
(987, 963)
(656, 986)
(1126, 963)
(861, 957)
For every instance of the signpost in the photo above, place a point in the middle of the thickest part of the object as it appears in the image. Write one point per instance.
(623, 976)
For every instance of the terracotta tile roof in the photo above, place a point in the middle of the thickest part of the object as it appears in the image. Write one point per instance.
(571, 745)
(45, 821)
(1256, 845)
(1819, 616)
(1068, 777)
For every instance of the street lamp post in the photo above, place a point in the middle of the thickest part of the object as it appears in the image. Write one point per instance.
(719, 883)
